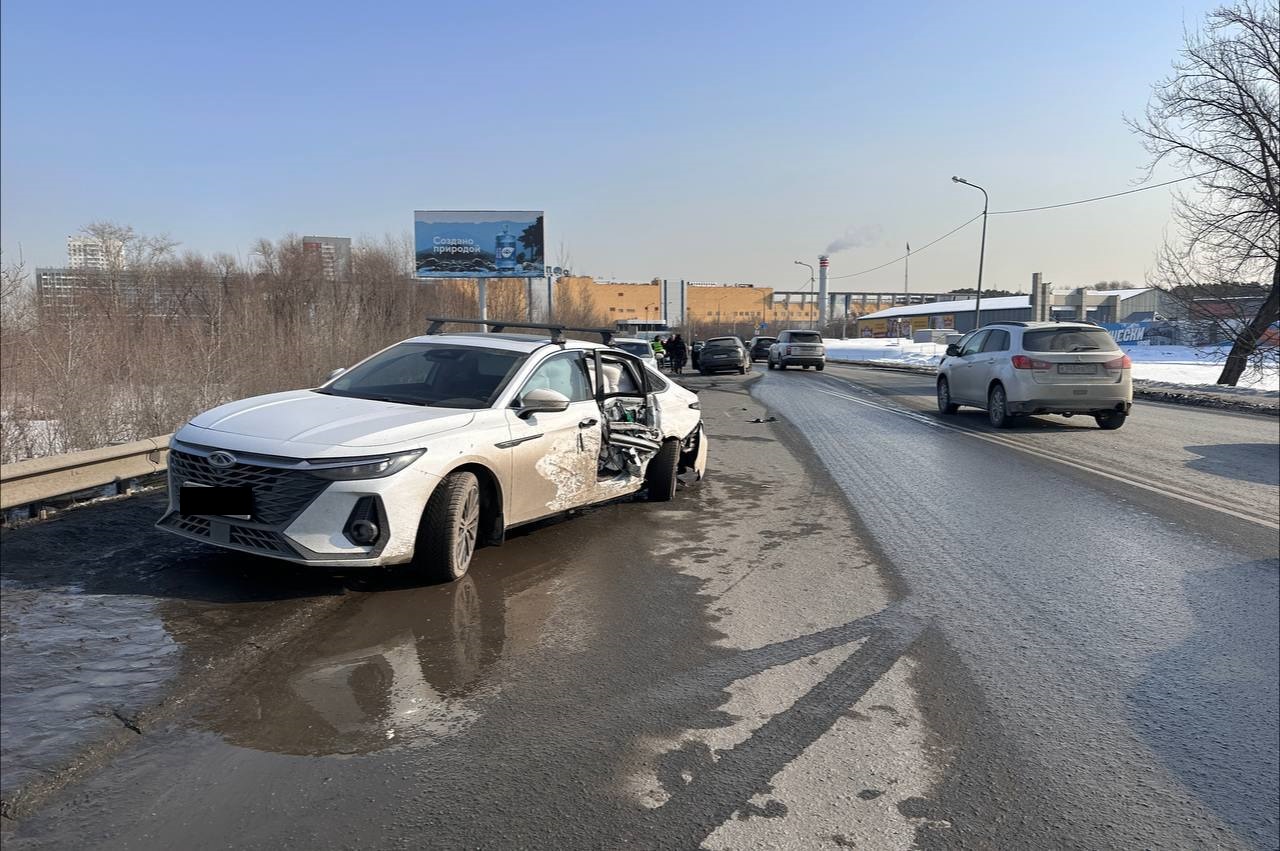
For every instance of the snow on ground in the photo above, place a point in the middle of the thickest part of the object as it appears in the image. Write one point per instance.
(1181, 365)
(886, 349)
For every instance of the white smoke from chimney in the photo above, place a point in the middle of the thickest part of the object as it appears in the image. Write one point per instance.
(855, 237)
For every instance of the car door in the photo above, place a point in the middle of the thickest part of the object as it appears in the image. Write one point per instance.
(632, 425)
(964, 378)
(987, 362)
(554, 454)
(779, 346)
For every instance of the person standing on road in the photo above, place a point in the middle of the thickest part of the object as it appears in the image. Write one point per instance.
(658, 350)
(677, 352)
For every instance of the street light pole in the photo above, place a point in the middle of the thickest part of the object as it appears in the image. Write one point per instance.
(982, 250)
(811, 273)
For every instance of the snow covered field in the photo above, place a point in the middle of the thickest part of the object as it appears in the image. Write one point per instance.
(1181, 365)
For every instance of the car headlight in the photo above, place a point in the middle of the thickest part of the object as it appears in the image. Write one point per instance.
(365, 468)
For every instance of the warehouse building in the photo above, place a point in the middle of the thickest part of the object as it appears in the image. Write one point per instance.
(1101, 306)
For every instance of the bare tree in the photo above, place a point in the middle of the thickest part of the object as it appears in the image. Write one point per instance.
(1218, 117)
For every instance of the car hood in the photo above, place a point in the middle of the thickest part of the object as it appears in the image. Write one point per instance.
(307, 417)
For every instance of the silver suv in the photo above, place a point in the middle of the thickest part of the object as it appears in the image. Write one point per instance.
(1017, 368)
(798, 348)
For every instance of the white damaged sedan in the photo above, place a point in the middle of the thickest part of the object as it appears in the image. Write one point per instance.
(432, 447)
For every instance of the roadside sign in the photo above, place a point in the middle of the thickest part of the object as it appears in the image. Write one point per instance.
(478, 244)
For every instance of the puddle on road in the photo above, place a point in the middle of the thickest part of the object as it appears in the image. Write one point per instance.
(398, 667)
(70, 660)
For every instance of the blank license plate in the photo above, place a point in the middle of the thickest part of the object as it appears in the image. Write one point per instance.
(1078, 368)
(226, 501)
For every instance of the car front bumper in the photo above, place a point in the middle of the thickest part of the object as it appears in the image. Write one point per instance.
(312, 531)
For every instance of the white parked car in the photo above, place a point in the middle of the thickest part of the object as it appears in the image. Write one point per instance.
(1016, 368)
(798, 348)
(642, 349)
(430, 448)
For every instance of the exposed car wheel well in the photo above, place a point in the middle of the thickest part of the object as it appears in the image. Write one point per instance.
(492, 519)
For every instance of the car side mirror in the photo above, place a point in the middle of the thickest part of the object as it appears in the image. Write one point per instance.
(953, 351)
(336, 373)
(542, 401)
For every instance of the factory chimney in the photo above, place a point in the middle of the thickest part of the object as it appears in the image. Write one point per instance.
(823, 261)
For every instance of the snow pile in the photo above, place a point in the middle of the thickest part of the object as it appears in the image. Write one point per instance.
(1195, 366)
(888, 349)
(1185, 366)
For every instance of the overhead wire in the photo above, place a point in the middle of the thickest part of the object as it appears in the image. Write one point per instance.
(1098, 198)
(909, 253)
(1008, 212)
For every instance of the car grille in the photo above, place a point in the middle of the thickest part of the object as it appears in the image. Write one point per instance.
(260, 539)
(279, 495)
(263, 541)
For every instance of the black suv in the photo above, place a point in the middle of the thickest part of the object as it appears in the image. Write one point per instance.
(759, 347)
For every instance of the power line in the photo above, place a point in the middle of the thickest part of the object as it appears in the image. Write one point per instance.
(904, 256)
(1023, 210)
(1098, 198)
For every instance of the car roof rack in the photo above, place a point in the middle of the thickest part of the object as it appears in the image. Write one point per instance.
(436, 323)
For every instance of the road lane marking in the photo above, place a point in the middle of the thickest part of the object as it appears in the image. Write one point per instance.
(1260, 520)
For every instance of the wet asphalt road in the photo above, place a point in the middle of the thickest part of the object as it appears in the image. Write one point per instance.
(1122, 640)
(715, 671)
(862, 630)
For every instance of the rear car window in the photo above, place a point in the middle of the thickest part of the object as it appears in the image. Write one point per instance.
(806, 337)
(640, 350)
(724, 343)
(1069, 340)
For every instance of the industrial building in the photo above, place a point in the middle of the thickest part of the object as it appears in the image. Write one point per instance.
(747, 307)
(1101, 306)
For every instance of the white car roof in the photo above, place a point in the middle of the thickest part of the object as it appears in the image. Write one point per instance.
(617, 340)
(507, 342)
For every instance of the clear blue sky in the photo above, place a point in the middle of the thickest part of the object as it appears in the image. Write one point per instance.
(708, 141)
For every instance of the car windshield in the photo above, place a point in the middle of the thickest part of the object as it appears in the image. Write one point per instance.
(806, 337)
(429, 374)
(1069, 340)
(638, 348)
(723, 343)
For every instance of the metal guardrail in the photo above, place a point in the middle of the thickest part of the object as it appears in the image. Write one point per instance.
(39, 479)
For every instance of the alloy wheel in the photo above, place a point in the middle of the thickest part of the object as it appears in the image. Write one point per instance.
(464, 542)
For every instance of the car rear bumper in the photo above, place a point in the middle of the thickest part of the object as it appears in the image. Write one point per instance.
(1070, 406)
(810, 361)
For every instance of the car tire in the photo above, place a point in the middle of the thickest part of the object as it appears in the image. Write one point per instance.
(450, 528)
(742, 370)
(771, 366)
(660, 476)
(1110, 420)
(820, 367)
(702, 372)
(804, 366)
(998, 408)
(945, 405)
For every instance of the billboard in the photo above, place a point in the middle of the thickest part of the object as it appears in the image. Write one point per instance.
(478, 244)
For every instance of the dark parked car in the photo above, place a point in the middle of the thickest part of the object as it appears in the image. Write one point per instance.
(759, 347)
(723, 354)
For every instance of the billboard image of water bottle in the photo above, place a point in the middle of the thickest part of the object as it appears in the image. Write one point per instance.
(478, 244)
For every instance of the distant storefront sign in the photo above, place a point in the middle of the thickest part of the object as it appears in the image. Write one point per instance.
(1156, 333)
(478, 244)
